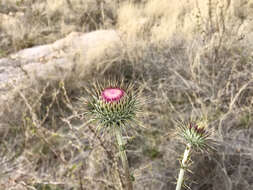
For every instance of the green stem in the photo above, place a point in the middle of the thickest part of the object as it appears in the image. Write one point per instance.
(183, 166)
(123, 157)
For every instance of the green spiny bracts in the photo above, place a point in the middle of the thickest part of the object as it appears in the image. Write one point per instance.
(196, 134)
(113, 105)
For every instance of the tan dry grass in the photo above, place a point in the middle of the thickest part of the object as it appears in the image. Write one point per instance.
(163, 20)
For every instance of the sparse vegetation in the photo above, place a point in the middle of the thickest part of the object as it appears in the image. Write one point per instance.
(189, 58)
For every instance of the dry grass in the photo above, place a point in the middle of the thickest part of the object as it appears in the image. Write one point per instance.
(26, 23)
(189, 58)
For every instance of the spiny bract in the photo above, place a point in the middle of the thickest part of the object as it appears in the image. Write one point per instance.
(195, 133)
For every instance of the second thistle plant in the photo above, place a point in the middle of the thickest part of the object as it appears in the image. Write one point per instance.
(114, 108)
(196, 137)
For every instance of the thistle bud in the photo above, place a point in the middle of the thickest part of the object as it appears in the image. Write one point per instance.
(196, 134)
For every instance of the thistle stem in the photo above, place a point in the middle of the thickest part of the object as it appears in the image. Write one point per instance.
(184, 166)
(123, 157)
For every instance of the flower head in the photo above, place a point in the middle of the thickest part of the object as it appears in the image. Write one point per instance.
(196, 134)
(112, 94)
(113, 105)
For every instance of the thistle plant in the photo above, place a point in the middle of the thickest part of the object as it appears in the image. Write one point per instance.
(196, 137)
(115, 108)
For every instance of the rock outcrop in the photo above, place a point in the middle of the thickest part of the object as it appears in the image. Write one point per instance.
(55, 58)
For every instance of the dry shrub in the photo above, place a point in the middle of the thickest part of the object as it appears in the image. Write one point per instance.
(199, 67)
(163, 20)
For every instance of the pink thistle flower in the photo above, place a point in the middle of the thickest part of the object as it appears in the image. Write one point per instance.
(114, 105)
(112, 94)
